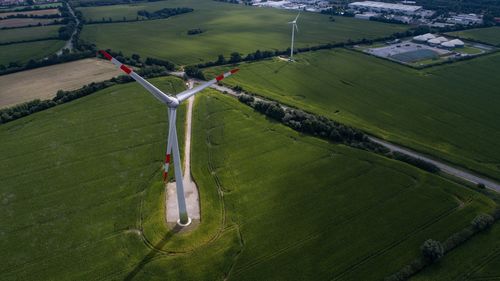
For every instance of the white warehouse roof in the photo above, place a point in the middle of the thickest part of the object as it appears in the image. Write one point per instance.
(442, 39)
(385, 6)
(457, 42)
(434, 41)
(448, 44)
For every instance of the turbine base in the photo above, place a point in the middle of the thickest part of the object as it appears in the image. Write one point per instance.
(186, 224)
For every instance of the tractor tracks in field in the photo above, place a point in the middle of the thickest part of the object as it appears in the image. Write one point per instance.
(156, 250)
(459, 173)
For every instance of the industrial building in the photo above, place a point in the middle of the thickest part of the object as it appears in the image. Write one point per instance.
(440, 41)
(382, 7)
(466, 19)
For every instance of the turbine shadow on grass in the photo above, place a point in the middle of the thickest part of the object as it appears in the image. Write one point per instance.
(153, 253)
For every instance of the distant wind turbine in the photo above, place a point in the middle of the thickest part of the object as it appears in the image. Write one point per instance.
(294, 26)
(172, 103)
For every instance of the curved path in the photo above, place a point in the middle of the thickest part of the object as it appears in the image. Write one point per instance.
(190, 188)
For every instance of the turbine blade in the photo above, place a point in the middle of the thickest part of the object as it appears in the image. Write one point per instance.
(186, 94)
(296, 27)
(169, 146)
(181, 199)
(295, 20)
(144, 83)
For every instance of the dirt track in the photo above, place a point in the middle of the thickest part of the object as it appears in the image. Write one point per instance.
(44, 82)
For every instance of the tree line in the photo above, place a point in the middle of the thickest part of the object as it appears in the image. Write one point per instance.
(144, 15)
(432, 250)
(328, 129)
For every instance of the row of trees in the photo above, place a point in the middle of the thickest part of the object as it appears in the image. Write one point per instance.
(110, 2)
(50, 60)
(236, 57)
(24, 16)
(314, 125)
(432, 250)
(27, 108)
(194, 31)
(164, 13)
(328, 129)
(54, 22)
(143, 15)
(424, 165)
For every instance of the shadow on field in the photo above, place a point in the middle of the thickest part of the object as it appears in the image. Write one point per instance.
(153, 253)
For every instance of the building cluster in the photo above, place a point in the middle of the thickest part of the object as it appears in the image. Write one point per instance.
(382, 7)
(438, 41)
(406, 12)
(307, 5)
(465, 19)
(403, 12)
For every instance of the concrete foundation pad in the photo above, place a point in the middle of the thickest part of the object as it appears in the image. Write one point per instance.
(192, 201)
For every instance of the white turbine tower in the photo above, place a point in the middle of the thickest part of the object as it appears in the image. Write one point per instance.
(294, 26)
(172, 103)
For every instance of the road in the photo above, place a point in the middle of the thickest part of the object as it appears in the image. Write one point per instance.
(69, 43)
(445, 168)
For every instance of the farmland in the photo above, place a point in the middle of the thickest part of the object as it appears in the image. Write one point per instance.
(283, 220)
(72, 181)
(93, 179)
(449, 111)
(46, 81)
(28, 13)
(41, 6)
(228, 28)
(33, 33)
(479, 259)
(19, 22)
(23, 52)
(489, 35)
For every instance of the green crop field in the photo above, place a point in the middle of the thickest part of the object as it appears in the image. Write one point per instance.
(32, 33)
(449, 111)
(23, 52)
(81, 197)
(490, 35)
(228, 28)
(478, 259)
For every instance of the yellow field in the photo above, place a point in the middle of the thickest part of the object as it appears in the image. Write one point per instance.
(44, 82)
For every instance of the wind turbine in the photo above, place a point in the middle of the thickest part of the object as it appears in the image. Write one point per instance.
(172, 103)
(294, 26)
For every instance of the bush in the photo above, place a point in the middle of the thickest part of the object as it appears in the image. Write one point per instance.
(432, 250)
(482, 222)
(164, 13)
(422, 164)
(194, 71)
(246, 99)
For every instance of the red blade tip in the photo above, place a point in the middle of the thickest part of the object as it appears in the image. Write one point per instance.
(105, 54)
(125, 69)
(233, 71)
